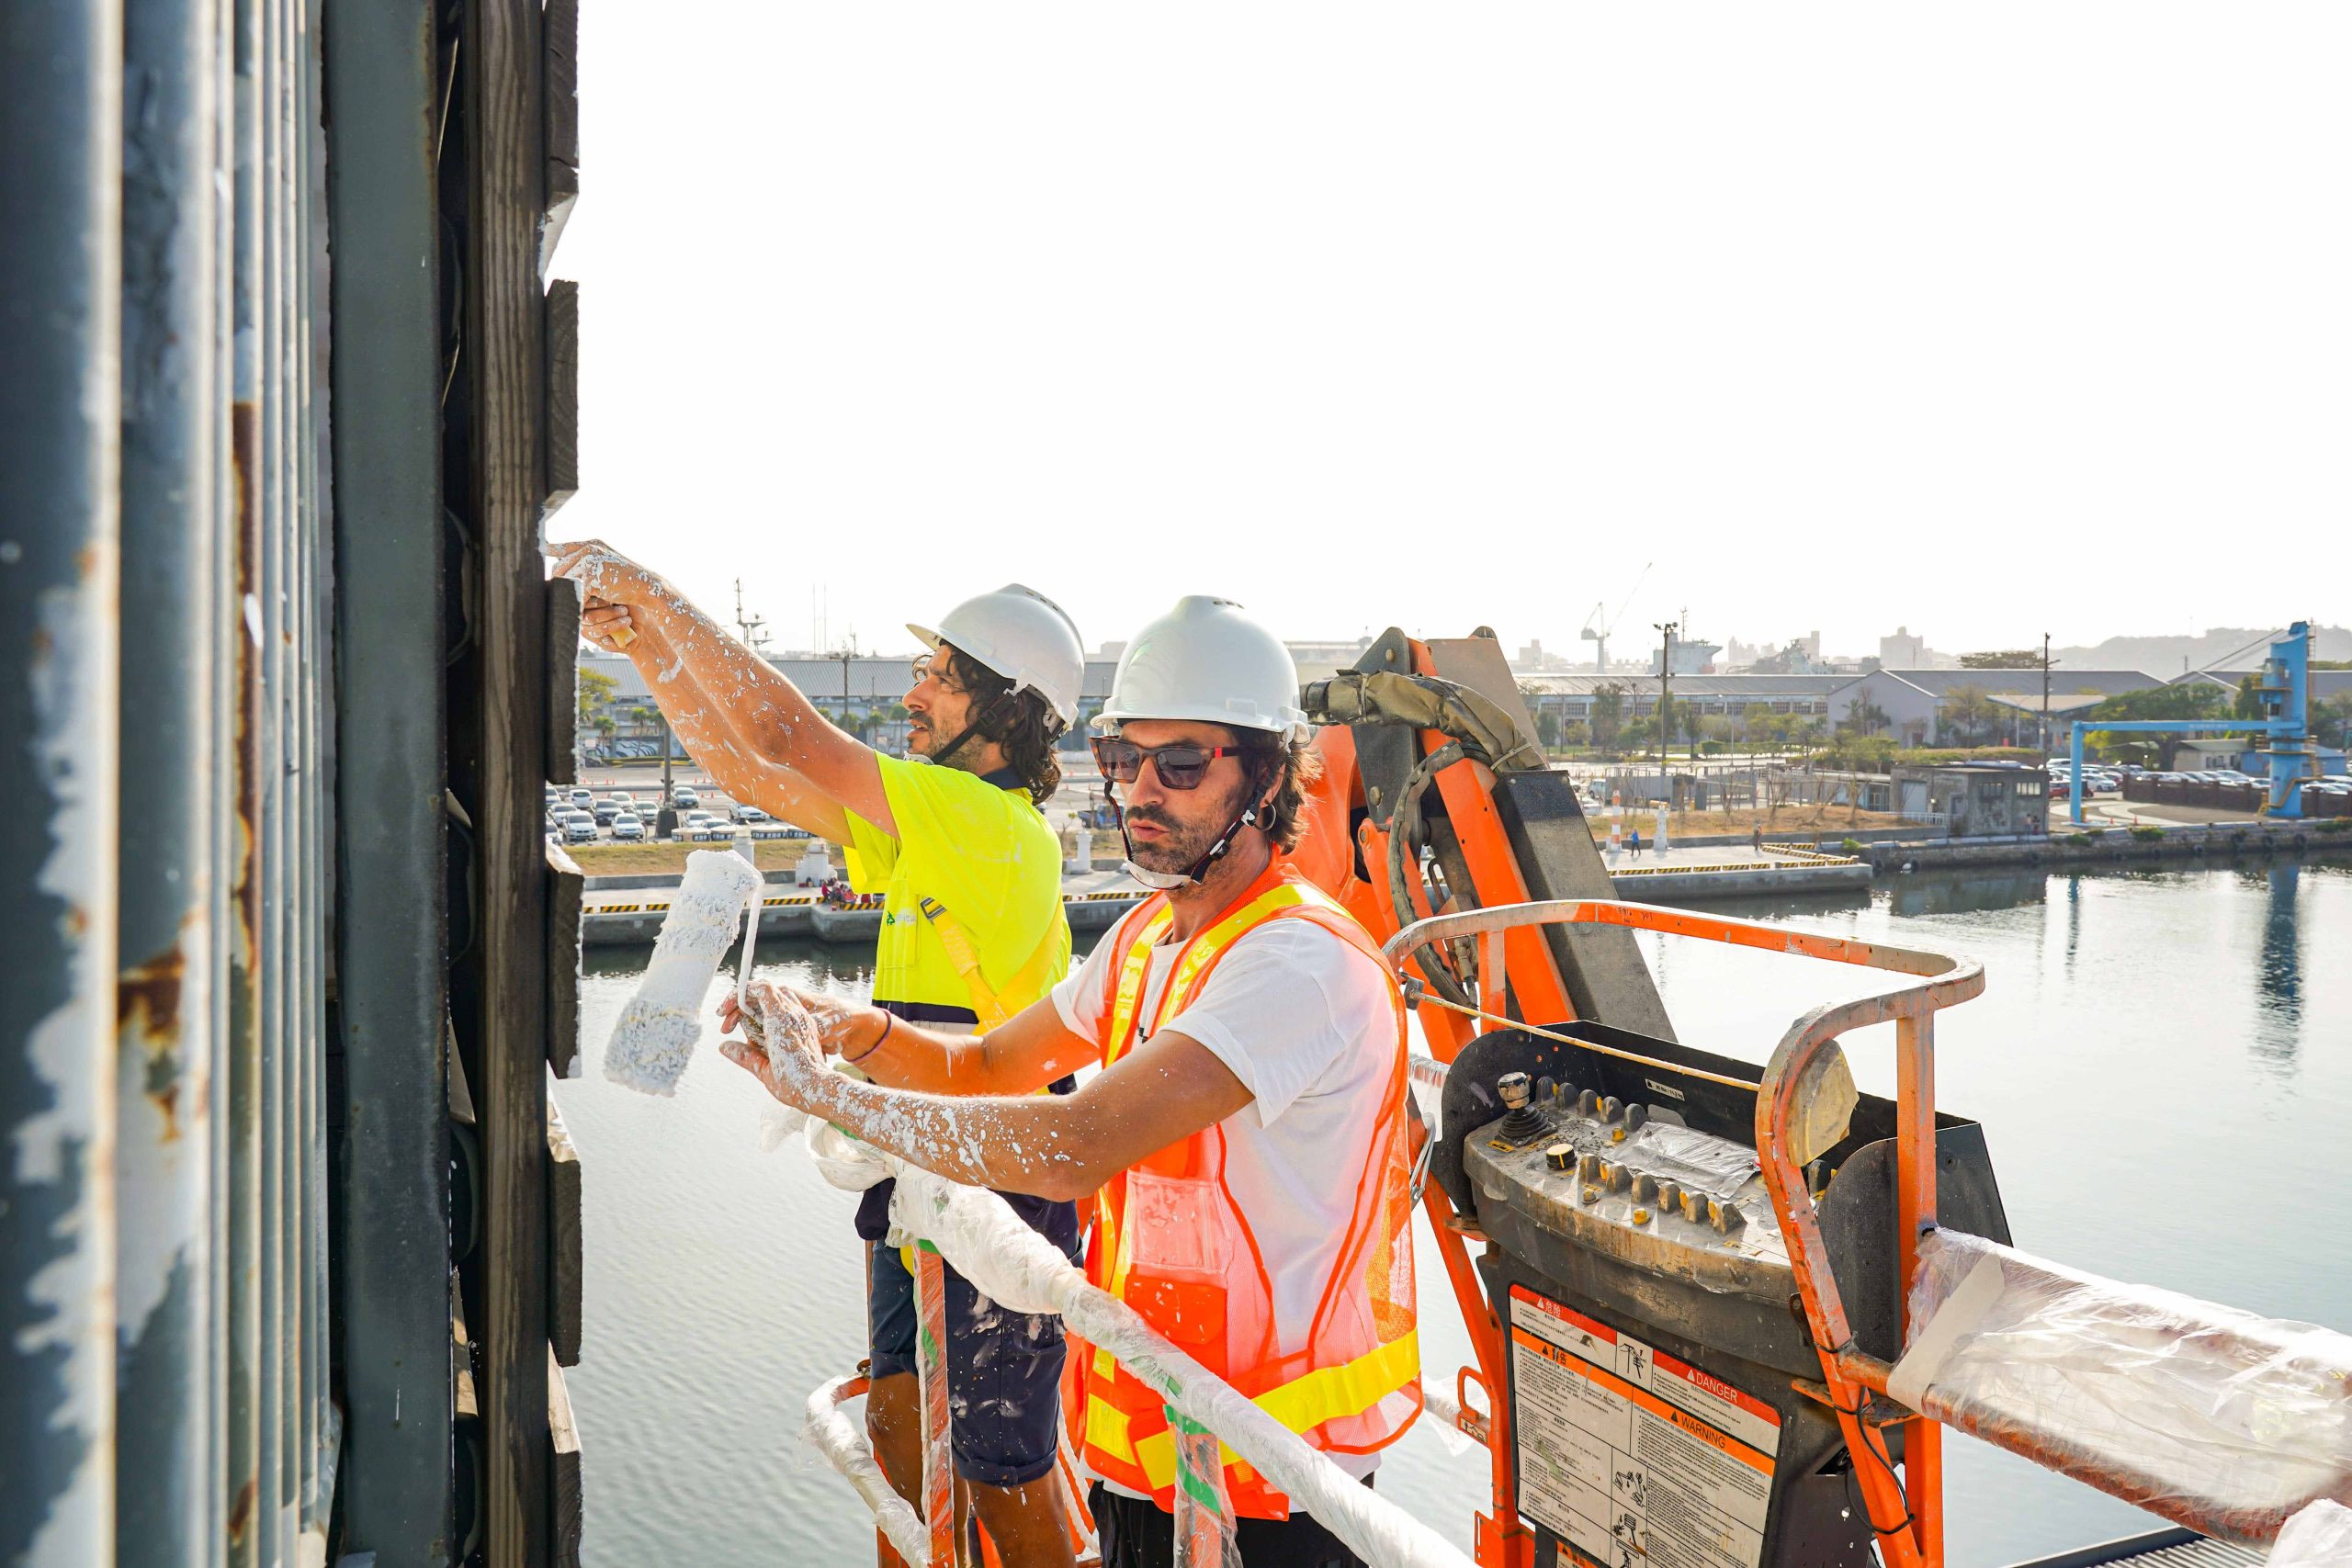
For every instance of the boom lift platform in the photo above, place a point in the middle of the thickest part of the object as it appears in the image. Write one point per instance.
(1722, 1315)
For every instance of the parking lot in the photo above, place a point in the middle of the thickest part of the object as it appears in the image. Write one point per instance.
(627, 811)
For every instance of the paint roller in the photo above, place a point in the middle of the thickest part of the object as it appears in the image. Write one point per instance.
(656, 1034)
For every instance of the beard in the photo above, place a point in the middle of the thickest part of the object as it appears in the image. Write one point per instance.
(927, 736)
(1180, 843)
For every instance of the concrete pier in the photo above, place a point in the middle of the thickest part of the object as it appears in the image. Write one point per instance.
(625, 911)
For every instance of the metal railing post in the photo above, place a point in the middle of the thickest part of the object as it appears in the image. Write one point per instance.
(166, 1037)
(61, 238)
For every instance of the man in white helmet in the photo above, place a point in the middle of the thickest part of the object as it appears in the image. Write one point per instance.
(973, 932)
(1245, 1143)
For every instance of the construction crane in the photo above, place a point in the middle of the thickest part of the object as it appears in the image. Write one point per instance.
(1596, 630)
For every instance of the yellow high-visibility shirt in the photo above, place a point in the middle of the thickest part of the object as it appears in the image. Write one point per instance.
(978, 847)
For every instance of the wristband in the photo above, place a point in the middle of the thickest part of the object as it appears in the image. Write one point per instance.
(889, 1021)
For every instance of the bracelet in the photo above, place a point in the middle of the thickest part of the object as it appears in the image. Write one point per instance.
(889, 1021)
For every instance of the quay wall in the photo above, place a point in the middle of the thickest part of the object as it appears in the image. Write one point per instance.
(2104, 846)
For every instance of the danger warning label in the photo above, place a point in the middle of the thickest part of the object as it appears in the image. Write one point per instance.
(1631, 1457)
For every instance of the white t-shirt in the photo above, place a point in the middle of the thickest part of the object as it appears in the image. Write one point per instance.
(1304, 1020)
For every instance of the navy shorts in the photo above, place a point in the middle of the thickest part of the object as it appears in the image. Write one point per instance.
(1004, 1368)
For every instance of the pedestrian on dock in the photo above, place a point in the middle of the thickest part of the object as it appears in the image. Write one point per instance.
(1756, 838)
(1245, 1143)
(973, 932)
(1634, 843)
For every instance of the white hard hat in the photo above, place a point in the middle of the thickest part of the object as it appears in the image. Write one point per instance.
(1024, 636)
(1206, 660)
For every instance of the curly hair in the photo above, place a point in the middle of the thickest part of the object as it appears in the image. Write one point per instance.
(1285, 820)
(1022, 723)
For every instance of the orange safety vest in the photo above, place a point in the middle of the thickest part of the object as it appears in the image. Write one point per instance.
(1171, 1243)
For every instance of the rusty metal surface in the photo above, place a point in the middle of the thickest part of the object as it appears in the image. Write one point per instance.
(166, 884)
(61, 122)
(159, 1035)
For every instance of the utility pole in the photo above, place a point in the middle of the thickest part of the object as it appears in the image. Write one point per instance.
(2045, 699)
(751, 629)
(1665, 698)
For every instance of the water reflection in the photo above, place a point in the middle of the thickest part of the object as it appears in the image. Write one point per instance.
(1957, 893)
(2280, 976)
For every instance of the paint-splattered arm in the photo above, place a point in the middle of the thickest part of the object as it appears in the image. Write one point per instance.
(768, 719)
(1058, 1146)
(1020, 1056)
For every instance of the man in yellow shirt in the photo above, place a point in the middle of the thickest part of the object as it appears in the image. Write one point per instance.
(973, 932)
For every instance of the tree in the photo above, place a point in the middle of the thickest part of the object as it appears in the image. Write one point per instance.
(596, 690)
(2331, 721)
(1970, 711)
(2003, 659)
(1548, 728)
(1608, 712)
(1864, 717)
(2186, 701)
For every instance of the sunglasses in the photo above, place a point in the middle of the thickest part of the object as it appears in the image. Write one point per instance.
(1180, 767)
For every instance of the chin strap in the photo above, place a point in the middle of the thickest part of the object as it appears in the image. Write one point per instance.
(947, 752)
(1169, 881)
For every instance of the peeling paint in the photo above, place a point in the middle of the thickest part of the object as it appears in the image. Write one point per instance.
(147, 1011)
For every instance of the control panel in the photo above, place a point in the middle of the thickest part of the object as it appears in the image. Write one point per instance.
(1631, 1179)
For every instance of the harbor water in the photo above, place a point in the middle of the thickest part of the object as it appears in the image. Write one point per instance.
(2161, 1059)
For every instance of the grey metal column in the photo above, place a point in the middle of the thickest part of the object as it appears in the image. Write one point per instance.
(60, 120)
(167, 878)
(248, 934)
(392, 1238)
(318, 801)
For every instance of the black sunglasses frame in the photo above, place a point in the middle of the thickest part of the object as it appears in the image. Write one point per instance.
(1101, 745)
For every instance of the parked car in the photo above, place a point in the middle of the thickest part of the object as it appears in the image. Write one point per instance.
(684, 800)
(744, 811)
(627, 828)
(580, 829)
(581, 798)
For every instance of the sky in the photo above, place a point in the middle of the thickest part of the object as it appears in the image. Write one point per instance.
(1988, 320)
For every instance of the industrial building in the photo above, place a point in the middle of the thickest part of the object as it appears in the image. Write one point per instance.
(1571, 697)
(1909, 705)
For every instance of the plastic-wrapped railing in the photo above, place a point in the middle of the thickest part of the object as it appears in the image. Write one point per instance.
(979, 1235)
(2224, 1421)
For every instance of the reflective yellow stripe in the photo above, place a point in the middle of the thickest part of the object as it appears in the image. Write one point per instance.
(1324, 1394)
(1106, 1428)
(1349, 1389)
(1207, 948)
(1134, 964)
(1134, 968)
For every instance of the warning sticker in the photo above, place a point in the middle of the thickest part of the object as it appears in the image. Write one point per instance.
(1632, 1458)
